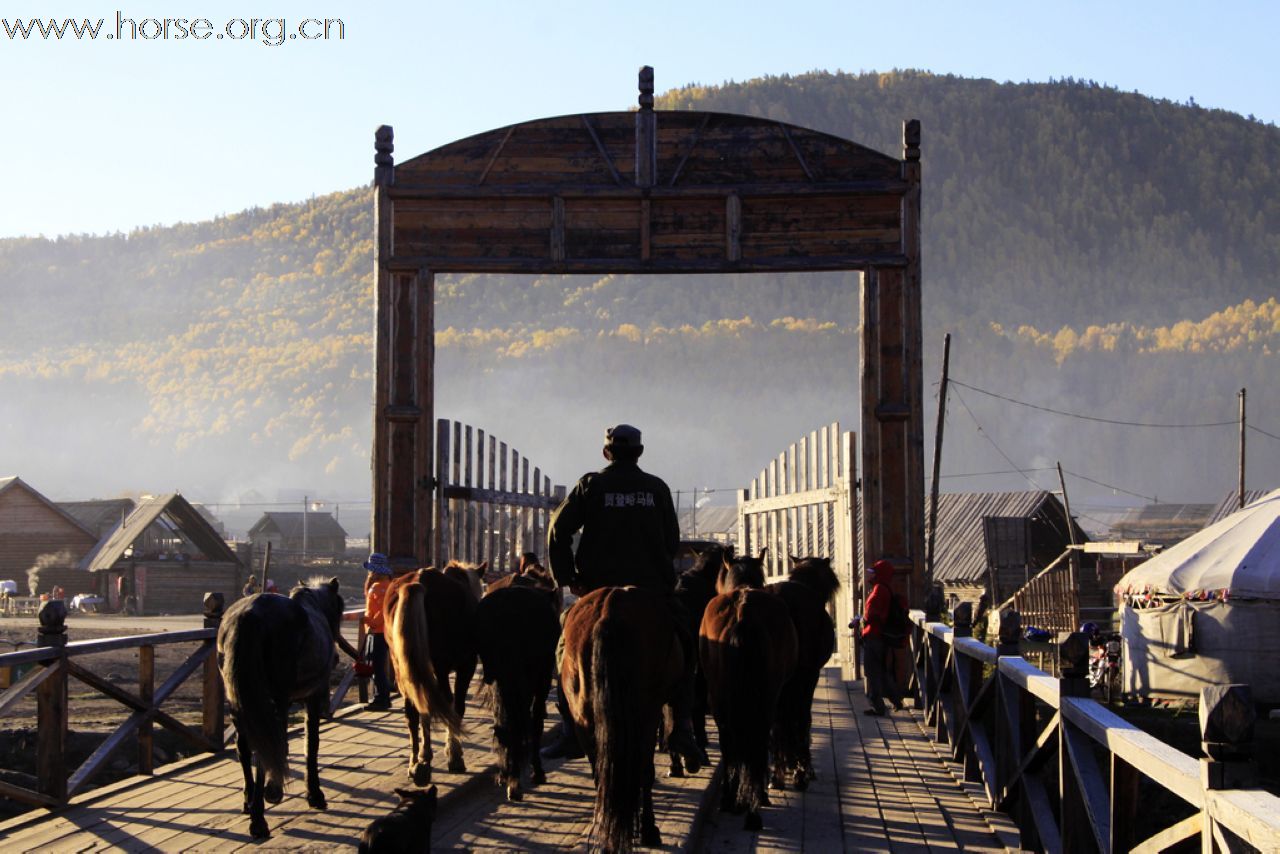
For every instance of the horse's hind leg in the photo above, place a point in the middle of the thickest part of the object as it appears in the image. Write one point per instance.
(246, 765)
(649, 834)
(317, 707)
(419, 745)
(456, 763)
(257, 808)
(537, 716)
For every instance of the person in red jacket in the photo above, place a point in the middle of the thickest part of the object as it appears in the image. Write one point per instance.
(877, 652)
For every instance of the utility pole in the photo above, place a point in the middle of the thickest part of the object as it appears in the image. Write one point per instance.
(305, 501)
(937, 461)
(1240, 498)
(1071, 528)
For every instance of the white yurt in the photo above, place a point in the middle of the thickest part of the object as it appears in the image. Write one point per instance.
(1207, 611)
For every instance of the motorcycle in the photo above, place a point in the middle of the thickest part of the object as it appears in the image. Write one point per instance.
(1104, 665)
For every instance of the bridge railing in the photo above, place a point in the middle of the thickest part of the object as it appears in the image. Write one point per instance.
(1068, 770)
(54, 661)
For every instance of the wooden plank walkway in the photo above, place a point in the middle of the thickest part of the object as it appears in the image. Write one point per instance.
(881, 787)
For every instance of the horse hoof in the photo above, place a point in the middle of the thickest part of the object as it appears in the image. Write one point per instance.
(753, 822)
(457, 766)
(777, 784)
(273, 793)
(801, 781)
(538, 777)
(316, 801)
(514, 793)
(420, 775)
(650, 837)
(258, 829)
(675, 772)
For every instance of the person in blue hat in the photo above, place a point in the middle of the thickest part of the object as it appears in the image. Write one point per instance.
(375, 595)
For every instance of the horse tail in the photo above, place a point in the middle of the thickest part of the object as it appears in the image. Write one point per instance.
(750, 708)
(410, 647)
(247, 678)
(620, 735)
(512, 713)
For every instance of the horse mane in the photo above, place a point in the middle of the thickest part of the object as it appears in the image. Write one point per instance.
(323, 594)
(816, 574)
(706, 566)
(470, 574)
(741, 572)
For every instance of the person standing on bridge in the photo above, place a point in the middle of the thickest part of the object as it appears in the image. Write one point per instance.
(375, 596)
(630, 535)
(879, 638)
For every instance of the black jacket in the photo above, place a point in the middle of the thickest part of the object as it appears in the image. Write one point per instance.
(629, 531)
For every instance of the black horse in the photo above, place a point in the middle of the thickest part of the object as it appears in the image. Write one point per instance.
(273, 651)
(517, 626)
(695, 587)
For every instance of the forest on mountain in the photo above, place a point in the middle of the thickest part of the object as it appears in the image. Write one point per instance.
(1090, 250)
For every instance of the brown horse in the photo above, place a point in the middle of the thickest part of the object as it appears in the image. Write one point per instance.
(806, 592)
(430, 630)
(748, 649)
(517, 626)
(622, 659)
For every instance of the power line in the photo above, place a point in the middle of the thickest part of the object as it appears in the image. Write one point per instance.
(1263, 432)
(1152, 499)
(1094, 417)
(992, 473)
(984, 435)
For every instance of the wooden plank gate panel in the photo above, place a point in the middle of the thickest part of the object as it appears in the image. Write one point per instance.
(804, 503)
(488, 507)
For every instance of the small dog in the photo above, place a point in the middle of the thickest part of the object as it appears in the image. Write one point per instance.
(406, 829)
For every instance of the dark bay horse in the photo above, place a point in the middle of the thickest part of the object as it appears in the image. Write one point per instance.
(695, 587)
(806, 592)
(274, 650)
(622, 659)
(430, 630)
(743, 571)
(747, 645)
(517, 626)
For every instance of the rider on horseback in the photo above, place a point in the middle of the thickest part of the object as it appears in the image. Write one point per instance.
(629, 537)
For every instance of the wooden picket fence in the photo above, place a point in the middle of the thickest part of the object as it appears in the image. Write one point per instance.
(804, 503)
(491, 505)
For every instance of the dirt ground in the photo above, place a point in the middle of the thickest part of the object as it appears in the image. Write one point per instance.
(93, 715)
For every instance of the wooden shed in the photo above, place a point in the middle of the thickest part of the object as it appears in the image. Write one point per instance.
(41, 545)
(295, 536)
(166, 556)
(997, 541)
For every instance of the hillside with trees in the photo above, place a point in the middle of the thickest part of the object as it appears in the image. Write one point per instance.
(1091, 250)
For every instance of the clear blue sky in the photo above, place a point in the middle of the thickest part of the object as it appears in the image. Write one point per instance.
(108, 135)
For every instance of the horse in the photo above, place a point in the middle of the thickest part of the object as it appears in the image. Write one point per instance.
(274, 650)
(517, 626)
(622, 658)
(695, 587)
(430, 631)
(736, 573)
(806, 592)
(748, 648)
(406, 829)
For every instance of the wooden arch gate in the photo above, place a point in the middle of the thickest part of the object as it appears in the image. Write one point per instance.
(660, 192)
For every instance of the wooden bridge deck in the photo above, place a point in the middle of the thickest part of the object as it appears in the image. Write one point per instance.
(881, 787)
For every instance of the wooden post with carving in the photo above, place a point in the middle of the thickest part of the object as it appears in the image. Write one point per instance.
(213, 698)
(51, 704)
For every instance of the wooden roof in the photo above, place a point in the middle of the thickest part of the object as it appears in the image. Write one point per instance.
(185, 518)
(99, 515)
(289, 525)
(962, 552)
(14, 482)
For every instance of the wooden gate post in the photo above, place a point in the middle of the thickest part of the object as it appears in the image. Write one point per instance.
(212, 700)
(51, 704)
(893, 400)
(404, 387)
